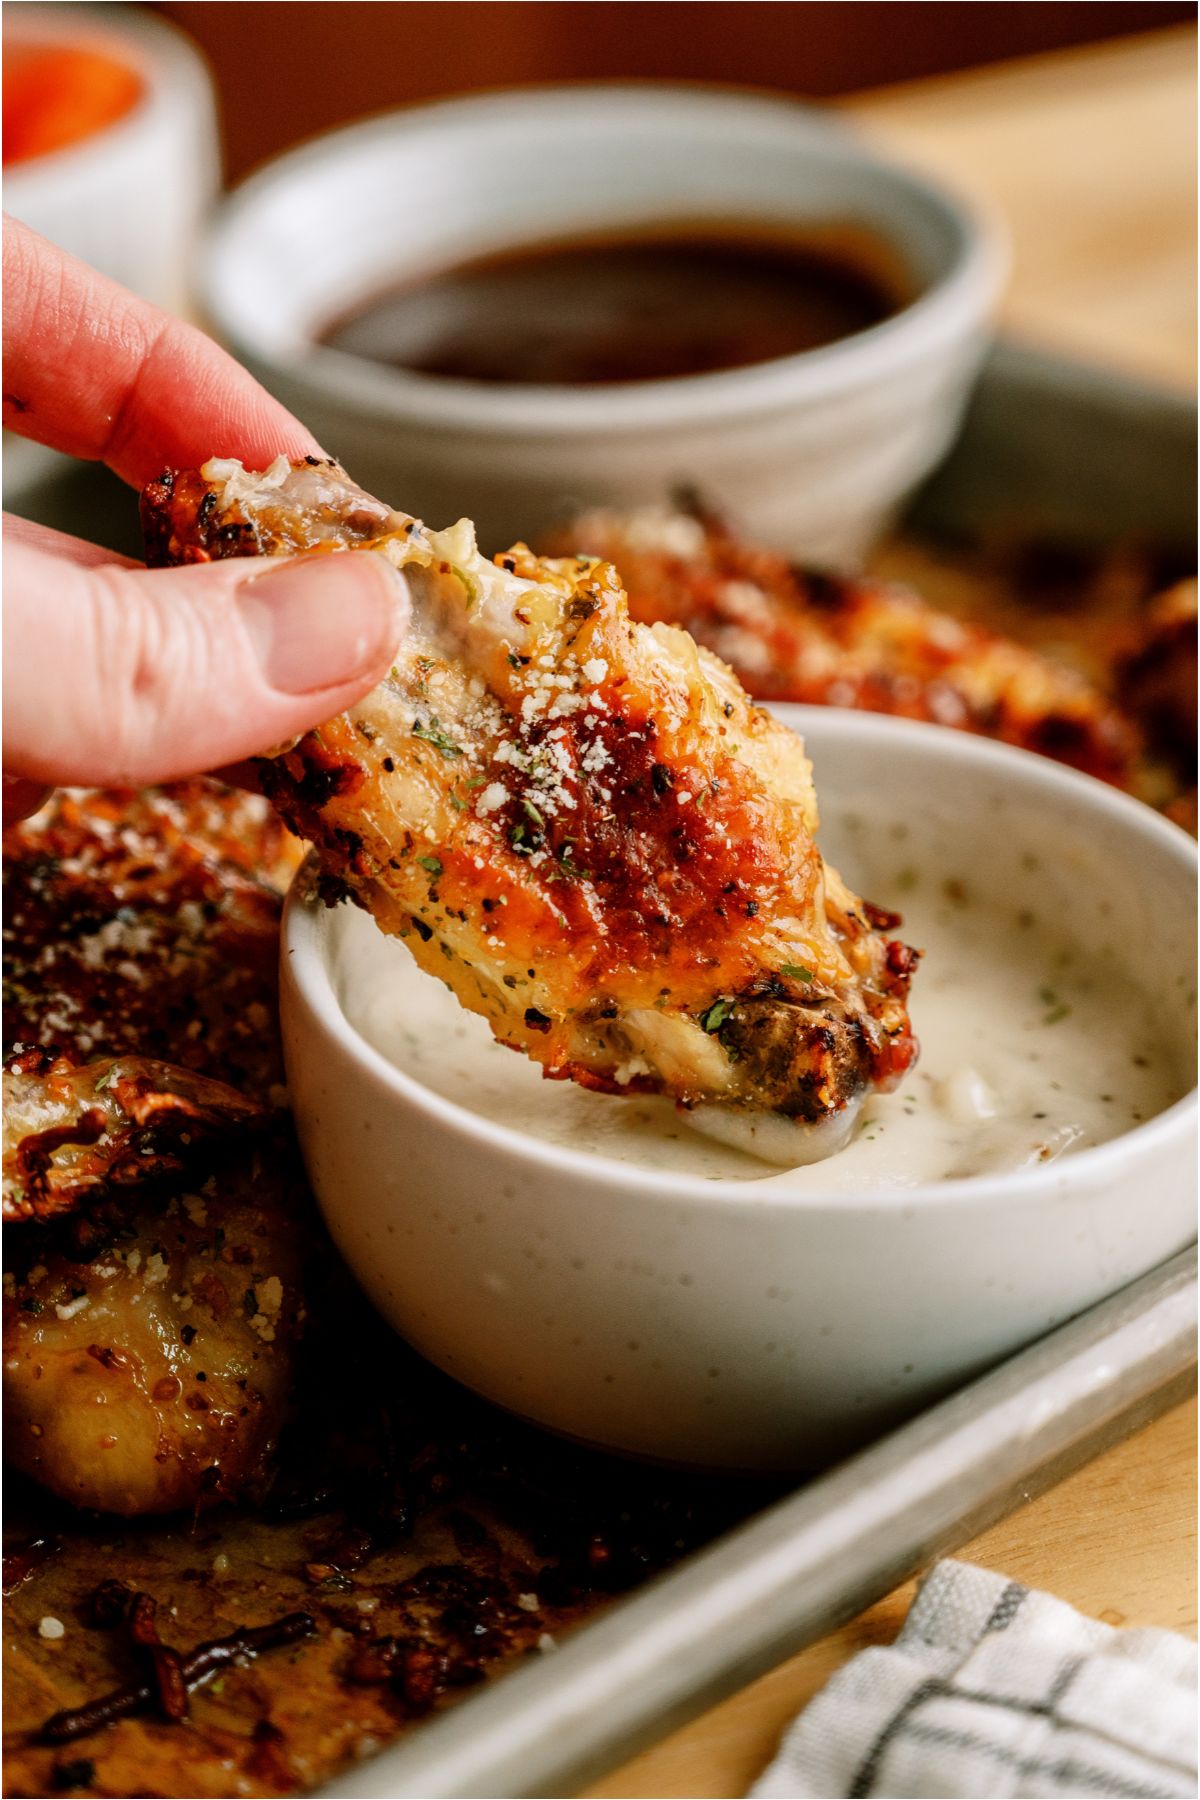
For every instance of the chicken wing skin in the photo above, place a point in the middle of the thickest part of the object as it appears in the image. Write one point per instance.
(156, 1375)
(579, 822)
(830, 640)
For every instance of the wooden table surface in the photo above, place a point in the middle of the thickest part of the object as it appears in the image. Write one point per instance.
(1088, 156)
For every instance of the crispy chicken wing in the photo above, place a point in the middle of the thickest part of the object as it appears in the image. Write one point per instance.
(138, 1377)
(74, 1133)
(156, 1375)
(579, 822)
(1156, 678)
(148, 925)
(828, 640)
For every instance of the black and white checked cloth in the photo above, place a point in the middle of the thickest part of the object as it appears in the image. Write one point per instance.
(990, 1689)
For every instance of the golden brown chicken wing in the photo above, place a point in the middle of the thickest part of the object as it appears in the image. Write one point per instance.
(138, 1376)
(1156, 678)
(156, 1375)
(73, 1134)
(828, 640)
(148, 925)
(579, 822)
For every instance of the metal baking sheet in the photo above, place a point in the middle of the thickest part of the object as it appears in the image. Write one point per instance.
(811, 1562)
(1050, 449)
(1069, 453)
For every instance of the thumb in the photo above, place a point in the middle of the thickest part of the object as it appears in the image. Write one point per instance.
(125, 677)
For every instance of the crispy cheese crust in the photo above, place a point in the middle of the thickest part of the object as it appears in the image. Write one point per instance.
(147, 924)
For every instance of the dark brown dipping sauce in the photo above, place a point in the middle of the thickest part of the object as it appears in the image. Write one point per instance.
(633, 308)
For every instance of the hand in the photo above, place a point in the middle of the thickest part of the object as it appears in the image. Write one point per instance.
(119, 676)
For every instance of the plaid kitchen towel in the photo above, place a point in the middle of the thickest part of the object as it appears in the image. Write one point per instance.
(991, 1688)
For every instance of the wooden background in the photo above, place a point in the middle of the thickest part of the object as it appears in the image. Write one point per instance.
(288, 68)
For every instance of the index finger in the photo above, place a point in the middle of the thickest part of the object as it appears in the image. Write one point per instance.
(92, 370)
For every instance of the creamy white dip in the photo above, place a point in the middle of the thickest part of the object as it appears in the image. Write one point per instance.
(1028, 1051)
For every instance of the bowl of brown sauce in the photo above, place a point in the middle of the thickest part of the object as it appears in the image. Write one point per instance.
(514, 305)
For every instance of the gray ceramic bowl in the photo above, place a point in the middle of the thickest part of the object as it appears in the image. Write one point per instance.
(812, 452)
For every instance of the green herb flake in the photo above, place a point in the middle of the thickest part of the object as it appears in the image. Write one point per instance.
(534, 814)
(107, 1079)
(433, 733)
(432, 864)
(717, 1013)
(1058, 1013)
(795, 972)
(566, 857)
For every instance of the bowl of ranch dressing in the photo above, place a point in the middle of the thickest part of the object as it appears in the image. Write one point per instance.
(594, 1263)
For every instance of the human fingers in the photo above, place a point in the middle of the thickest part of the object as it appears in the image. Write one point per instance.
(60, 543)
(92, 370)
(123, 677)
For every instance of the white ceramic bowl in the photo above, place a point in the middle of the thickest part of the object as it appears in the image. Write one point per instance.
(129, 199)
(737, 1324)
(810, 452)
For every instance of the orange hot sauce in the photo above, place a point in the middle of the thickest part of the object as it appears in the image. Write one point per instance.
(55, 95)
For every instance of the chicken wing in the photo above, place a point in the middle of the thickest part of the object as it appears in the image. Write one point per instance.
(141, 1043)
(157, 1374)
(579, 822)
(828, 640)
(1156, 678)
(148, 925)
(73, 1133)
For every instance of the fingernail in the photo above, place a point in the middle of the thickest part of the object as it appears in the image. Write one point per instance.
(22, 797)
(320, 621)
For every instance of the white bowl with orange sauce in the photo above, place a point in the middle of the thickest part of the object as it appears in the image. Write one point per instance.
(810, 451)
